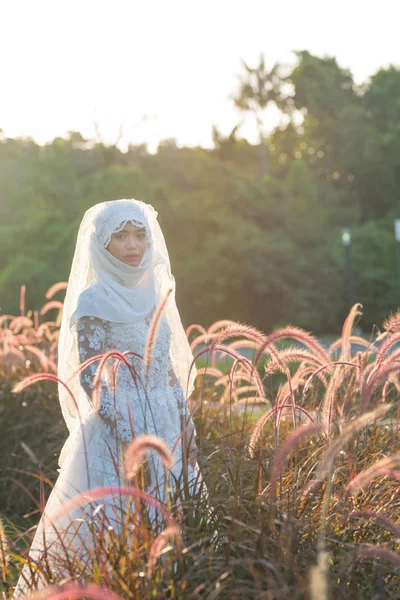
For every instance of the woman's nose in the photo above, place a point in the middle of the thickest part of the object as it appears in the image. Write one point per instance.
(131, 243)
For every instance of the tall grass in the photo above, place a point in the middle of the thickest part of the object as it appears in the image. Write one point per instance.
(300, 454)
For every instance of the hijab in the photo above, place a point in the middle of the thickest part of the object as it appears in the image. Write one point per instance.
(119, 292)
(102, 286)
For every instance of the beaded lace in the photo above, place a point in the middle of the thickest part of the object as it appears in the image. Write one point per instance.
(139, 403)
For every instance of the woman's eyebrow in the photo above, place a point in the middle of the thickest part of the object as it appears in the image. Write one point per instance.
(139, 230)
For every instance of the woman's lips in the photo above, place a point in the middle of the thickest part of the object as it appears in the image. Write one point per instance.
(132, 256)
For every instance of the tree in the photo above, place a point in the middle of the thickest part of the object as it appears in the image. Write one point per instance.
(338, 129)
(225, 146)
(259, 88)
(382, 104)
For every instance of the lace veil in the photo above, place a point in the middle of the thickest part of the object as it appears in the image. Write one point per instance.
(100, 285)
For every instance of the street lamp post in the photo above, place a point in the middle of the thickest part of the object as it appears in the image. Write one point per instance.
(346, 239)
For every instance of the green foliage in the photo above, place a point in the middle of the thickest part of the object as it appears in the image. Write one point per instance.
(265, 251)
(375, 268)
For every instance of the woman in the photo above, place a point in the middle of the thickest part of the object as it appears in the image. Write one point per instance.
(120, 279)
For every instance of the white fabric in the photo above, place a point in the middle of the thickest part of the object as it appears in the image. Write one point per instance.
(102, 286)
(97, 336)
(93, 324)
(159, 409)
(122, 293)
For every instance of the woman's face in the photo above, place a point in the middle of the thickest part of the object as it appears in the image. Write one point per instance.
(129, 244)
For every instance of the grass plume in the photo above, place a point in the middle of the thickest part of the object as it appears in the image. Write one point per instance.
(278, 496)
(151, 337)
(138, 448)
(380, 468)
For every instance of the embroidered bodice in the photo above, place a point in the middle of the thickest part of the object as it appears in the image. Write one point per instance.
(136, 402)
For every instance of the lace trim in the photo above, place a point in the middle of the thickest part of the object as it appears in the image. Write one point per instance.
(106, 237)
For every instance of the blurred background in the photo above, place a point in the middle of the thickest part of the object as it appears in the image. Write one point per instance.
(266, 135)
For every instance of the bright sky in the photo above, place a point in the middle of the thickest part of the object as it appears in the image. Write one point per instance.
(165, 68)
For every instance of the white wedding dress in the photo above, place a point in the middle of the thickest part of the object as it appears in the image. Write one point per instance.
(89, 457)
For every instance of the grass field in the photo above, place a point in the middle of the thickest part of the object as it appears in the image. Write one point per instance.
(300, 456)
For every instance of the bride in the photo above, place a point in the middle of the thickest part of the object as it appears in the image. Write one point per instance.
(120, 279)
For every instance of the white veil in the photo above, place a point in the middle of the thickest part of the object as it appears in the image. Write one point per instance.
(100, 285)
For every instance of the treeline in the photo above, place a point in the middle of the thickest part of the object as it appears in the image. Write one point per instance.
(254, 231)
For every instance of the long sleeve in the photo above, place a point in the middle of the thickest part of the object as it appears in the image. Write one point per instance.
(91, 335)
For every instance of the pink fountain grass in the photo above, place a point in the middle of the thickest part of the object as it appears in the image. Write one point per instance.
(44, 329)
(288, 388)
(328, 401)
(235, 330)
(380, 363)
(195, 327)
(211, 372)
(221, 325)
(232, 329)
(25, 332)
(204, 338)
(240, 359)
(318, 371)
(4, 318)
(134, 374)
(153, 328)
(239, 344)
(103, 358)
(96, 493)
(21, 385)
(353, 339)
(249, 399)
(291, 354)
(57, 287)
(230, 384)
(295, 333)
(137, 450)
(159, 544)
(239, 375)
(385, 347)
(381, 468)
(312, 484)
(265, 418)
(22, 298)
(52, 304)
(120, 358)
(279, 459)
(387, 368)
(19, 323)
(347, 433)
(392, 323)
(348, 325)
(73, 591)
